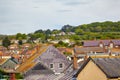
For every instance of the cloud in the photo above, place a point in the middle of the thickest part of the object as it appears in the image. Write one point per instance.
(62, 11)
(75, 2)
(30, 15)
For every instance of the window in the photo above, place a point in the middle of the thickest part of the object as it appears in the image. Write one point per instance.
(60, 65)
(51, 65)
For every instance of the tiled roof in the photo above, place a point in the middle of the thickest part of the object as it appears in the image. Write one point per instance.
(3, 60)
(115, 49)
(110, 66)
(3, 48)
(65, 50)
(29, 63)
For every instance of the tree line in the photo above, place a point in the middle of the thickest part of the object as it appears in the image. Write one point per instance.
(95, 30)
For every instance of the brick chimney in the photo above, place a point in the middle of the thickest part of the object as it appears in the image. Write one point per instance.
(85, 57)
(12, 76)
(75, 65)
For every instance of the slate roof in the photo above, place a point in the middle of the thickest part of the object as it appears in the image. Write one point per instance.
(39, 68)
(110, 66)
(97, 42)
(83, 50)
(91, 43)
(116, 42)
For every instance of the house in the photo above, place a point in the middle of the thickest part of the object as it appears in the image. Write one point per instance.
(99, 69)
(26, 46)
(71, 33)
(54, 41)
(24, 40)
(63, 50)
(50, 64)
(81, 52)
(10, 64)
(5, 54)
(102, 43)
(62, 33)
(66, 40)
(56, 61)
(13, 41)
(14, 49)
(89, 50)
(2, 48)
(115, 51)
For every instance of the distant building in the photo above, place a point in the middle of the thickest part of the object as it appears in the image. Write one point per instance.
(10, 64)
(102, 43)
(14, 48)
(66, 40)
(81, 52)
(99, 69)
(62, 33)
(2, 48)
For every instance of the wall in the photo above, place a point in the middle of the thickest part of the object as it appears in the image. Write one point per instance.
(91, 72)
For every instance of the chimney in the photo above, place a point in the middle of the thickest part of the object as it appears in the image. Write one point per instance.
(12, 76)
(109, 51)
(86, 57)
(75, 65)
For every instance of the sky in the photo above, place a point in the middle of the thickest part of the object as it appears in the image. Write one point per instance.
(26, 16)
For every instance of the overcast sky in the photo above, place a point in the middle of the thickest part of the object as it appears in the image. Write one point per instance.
(26, 16)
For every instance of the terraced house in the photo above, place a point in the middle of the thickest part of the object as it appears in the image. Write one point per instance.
(102, 43)
(49, 64)
(99, 69)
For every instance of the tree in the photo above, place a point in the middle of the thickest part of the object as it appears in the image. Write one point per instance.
(66, 28)
(6, 42)
(21, 36)
(79, 31)
(20, 42)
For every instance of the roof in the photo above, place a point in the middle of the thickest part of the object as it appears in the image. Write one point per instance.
(40, 68)
(97, 42)
(29, 63)
(26, 45)
(13, 46)
(91, 43)
(53, 53)
(62, 49)
(3, 60)
(115, 49)
(116, 42)
(83, 50)
(3, 48)
(109, 66)
(10, 59)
